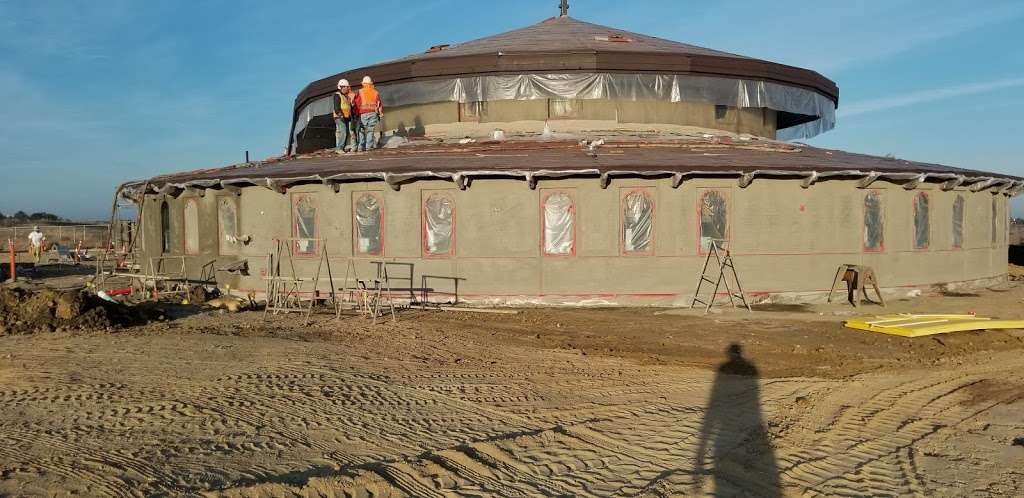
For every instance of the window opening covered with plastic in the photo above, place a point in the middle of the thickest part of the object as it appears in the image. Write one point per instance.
(191, 227)
(874, 222)
(165, 227)
(559, 232)
(227, 218)
(958, 222)
(368, 225)
(994, 216)
(439, 225)
(637, 223)
(922, 227)
(305, 225)
(714, 220)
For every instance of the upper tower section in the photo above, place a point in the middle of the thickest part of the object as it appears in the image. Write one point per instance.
(564, 68)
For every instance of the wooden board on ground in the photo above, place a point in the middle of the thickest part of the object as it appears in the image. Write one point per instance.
(908, 325)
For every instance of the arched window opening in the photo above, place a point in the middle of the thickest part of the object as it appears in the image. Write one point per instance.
(995, 215)
(714, 220)
(874, 228)
(165, 228)
(369, 218)
(191, 219)
(439, 225)
(227, 216)
(922, 225)
(958, 222)
(637, 223)
(559, 224)
(305, 226)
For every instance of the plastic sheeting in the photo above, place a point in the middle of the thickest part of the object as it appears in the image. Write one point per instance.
(559, 225)
(922, 228)
(228, 215)
(439, 217)
(995, 214)
(958, 222)
(305, 226)
(191, 227)
(713, 219)
(874, 230)
(664, 87)
(637, 223)
(368, 225)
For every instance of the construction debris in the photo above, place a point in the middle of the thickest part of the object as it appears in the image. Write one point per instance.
(908, 325)
(25, 312)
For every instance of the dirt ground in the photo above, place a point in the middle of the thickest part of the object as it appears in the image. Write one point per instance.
(547, 402)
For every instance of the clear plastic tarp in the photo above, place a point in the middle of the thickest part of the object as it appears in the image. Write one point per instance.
(664, 87)
(637, 223)
(439, 214)
(874, 229)
(368, 225)
(922, 230)
(995, 215)
(713, 220)
(191, 227)
(559, 225)
(228, 216)
(305, 225)
(958, 222)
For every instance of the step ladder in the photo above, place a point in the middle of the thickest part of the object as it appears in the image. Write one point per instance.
(288, 292)
(726, 270)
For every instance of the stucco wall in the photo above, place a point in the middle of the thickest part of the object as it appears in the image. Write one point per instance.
(756, 121)
(786, 239)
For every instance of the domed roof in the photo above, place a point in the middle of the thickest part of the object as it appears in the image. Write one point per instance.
(565, 44)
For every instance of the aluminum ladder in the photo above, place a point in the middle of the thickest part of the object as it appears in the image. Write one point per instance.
(725, 268)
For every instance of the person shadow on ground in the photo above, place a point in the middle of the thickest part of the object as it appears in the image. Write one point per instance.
(742, 458)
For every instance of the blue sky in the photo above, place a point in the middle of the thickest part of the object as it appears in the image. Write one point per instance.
(95, 93)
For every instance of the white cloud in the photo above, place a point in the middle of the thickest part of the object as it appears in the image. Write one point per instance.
(924, 96)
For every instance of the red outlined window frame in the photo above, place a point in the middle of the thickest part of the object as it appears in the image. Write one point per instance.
(296, 198)
(545, 194)
(927, 220)
(426, 196)
(863, 220)
(624, 193)
(725, 193)
(963, 224)
(221, 246)
(355, 224)
(185, 225)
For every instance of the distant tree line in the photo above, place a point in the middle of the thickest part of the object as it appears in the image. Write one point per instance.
(22, 217)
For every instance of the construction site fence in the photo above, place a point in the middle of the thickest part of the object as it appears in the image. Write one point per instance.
(91, 236)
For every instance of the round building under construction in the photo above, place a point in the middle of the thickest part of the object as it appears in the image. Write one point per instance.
(572, 163)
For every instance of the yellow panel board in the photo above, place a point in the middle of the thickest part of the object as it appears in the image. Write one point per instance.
(907, 325)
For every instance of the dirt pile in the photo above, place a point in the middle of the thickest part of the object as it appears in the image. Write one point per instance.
(25, 312)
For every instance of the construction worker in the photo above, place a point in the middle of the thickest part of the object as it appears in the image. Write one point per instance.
(371, 111)
(344, 113)
(35, 239)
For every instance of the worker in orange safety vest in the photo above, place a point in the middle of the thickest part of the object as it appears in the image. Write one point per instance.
(371, 111)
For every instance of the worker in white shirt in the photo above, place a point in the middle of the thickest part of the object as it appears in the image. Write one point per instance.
(36, 238)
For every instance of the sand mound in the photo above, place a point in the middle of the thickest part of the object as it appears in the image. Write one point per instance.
(26, 312)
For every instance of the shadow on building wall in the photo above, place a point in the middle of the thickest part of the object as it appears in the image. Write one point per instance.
(734, 451)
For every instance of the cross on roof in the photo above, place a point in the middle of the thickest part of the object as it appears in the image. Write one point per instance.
(564, 7)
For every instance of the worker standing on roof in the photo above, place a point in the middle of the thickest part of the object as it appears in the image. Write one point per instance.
(35, 239)
(371, 111)
(344, 114)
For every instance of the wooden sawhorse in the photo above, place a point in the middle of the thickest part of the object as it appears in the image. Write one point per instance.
(857, 277)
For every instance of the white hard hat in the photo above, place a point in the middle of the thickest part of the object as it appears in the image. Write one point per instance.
(367, 80)
(342, 82)
(36, 228)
